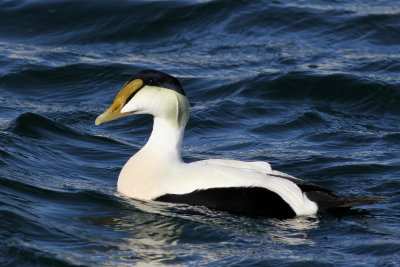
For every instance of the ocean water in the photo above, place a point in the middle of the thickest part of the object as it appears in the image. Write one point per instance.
(310, 86)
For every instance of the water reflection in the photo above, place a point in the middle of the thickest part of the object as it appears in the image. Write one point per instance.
(157, 226)
(295, 231)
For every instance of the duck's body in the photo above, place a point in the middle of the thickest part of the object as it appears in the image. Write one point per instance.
(157, 171)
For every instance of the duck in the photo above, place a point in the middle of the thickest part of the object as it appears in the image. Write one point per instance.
(158, 173)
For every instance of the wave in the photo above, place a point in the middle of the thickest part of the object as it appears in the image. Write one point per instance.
(309, 86)
(150, 21)
(342, 91)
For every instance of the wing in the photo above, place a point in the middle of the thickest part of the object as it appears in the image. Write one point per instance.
(227, 174)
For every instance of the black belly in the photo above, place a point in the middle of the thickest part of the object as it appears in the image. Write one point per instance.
(250, 201)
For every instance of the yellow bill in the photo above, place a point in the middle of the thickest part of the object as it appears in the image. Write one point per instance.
(114, 111)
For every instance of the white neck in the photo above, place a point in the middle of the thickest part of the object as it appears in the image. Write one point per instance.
(166, 139)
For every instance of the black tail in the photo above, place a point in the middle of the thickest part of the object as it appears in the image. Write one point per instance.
(331, 202)
(351, 201)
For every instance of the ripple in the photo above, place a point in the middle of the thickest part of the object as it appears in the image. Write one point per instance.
(311, 87)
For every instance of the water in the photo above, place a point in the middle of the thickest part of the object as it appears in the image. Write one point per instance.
(310, 86)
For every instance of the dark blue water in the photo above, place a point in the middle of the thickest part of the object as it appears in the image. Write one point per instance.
(310, 86)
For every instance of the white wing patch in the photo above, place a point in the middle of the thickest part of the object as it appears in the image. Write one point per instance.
(259, 166)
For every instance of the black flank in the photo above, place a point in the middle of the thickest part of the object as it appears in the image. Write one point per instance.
(250, 201)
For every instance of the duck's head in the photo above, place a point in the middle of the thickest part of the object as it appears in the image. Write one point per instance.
(150, 92)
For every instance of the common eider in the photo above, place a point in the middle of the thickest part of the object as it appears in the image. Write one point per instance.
(158, 173)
